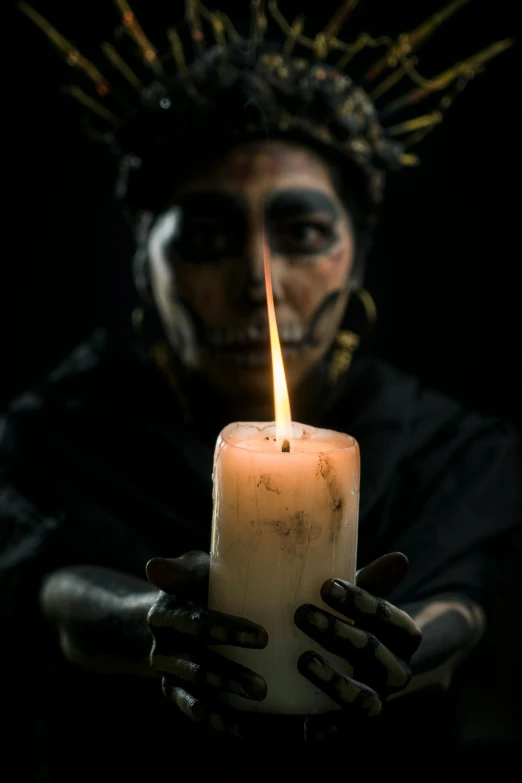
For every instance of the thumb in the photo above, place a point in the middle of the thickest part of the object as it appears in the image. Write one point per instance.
(187, 573)
(384, 574)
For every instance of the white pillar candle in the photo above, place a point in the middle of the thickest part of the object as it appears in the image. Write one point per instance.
(283, 523)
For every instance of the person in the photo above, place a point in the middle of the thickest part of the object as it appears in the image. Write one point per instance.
(106, 495)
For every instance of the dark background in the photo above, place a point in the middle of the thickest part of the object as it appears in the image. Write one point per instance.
(445, 269)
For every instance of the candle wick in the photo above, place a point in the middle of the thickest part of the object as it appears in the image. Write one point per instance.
(286, 445)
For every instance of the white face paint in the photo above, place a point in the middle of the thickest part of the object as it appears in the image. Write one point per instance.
(173, 315)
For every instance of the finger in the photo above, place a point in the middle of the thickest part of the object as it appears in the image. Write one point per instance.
(393, 627)
(350, 694)
(181, 575)
(372, 662)
(214, 716)
(204, 626)
(384, 574)
(208, 668)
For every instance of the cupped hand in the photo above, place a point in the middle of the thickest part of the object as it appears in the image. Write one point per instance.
(377, 639)
(183, 628)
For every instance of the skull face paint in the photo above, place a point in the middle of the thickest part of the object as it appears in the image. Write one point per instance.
(205, 258)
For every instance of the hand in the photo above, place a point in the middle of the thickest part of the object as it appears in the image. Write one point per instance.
(379, 644)
(193, 676)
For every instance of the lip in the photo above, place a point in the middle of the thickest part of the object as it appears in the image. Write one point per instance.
(255, 354)
(254, 337)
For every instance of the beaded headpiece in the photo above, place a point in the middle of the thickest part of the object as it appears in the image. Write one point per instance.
(309, 97)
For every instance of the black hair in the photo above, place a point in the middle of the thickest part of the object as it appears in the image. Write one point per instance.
(226, 100)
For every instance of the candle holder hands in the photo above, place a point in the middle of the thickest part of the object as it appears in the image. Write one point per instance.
(183, 629)
(378, 641)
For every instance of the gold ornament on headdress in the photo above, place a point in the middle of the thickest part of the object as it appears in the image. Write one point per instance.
(119, 63)
(398, 57)
(133, 29)
(67, 49)
(192, 15)
(407, 43)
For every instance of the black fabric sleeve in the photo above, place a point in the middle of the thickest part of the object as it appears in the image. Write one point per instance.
(459, 505)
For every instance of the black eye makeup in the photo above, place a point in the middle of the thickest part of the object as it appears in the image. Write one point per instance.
(212, 226)
(302, 222)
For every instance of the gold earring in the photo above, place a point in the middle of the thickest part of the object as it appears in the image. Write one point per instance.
(347, 342)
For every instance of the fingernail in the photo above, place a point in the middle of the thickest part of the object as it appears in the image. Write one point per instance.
(219, 634)
(314, 666)
(316, 618)
(307, 614)
(258, 687)
(311, 664)
(253, 687)
(257, 637)
(337, 591)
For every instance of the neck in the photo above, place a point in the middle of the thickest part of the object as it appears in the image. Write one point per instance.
(307, 405)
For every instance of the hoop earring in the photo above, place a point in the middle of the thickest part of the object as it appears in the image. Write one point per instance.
(347, 341)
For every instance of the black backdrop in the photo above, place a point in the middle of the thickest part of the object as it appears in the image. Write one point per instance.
(445, 271)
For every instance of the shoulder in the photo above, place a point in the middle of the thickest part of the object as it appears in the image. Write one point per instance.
(83, 362)
(52, 403)
(409, 432)
(387, 395)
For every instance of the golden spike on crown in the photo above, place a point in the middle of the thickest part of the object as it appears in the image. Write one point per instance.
(194, 22)
(444, 104)
(71, 54)
(425, 121)
(363, 40)
(133, 29)
(177, 50)
(219, 33)
(230, 29)
(258, 23)
(79, 95)
(119, 63)
(179, 57)
(467, 68)
(221, 21)
(321, 46)
(407, 159)
(285, 27)
(340, 18)
(409, 42)
(393, 79)
(293, 35)
(218, 22)
(324, 40)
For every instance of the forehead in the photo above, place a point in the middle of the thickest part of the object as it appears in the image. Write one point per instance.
(260, 165)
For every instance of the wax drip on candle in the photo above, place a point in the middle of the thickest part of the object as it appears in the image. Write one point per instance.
(283, 416)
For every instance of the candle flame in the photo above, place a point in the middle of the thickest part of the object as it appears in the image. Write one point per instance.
(283, 416)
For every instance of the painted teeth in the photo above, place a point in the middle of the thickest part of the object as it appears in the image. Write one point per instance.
(291, 333)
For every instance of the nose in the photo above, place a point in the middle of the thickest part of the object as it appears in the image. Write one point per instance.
(254, 288)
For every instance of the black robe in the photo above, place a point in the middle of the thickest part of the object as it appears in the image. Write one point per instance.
(98, 467)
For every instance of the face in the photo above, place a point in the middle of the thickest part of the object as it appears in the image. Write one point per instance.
(206, 260)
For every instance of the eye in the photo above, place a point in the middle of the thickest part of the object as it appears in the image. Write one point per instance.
(304, 236)
(205, 239)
